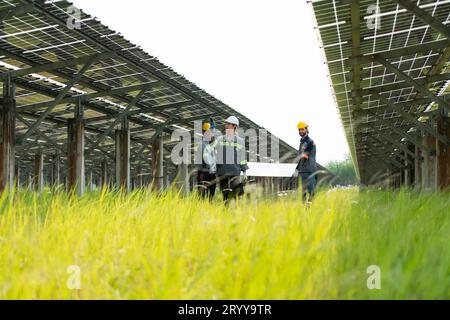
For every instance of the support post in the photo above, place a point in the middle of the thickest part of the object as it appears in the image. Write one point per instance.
(55, 173)
(139, 181)
(443, 154)
(75, 153)
(7, 138)
(123, 159)
(104, 174)
(39, 172)
(418, 168)
(17, 175)
(157, 164)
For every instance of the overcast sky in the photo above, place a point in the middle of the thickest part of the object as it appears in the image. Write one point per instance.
(261, 57)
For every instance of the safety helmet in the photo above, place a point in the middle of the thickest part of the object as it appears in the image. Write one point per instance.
(206, 126)
(302, 125)
(232, 120)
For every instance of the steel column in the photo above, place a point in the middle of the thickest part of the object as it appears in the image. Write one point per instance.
(7, 138)
(39, 172)
(75, 156)
(157, 164)
(443, 154)
(123, 159)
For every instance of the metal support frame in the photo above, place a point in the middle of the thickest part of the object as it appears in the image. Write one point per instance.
(104, 182)
(425, 17)
(75, 153)
(56, 170)
(17, 11)
(399, 132)
(411, 118)
(60, 64)
(60, 96)
(8, 133)
(356, 40)
(414, 83)
(123, 158)
(443, 155)
(39, 172)
(118, 119)
(157, 164)
(406, 51)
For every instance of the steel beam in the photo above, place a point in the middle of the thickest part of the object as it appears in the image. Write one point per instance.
(418, 86)
(399, 132)
(148, 69)
(356, 40)
(443, 155)
(406, 51)
(405, 85)
(16, 11)
(414, 120)
(60, 96)
(425, 17)
(89, 96)
(118, 119)
(61, 64)
(56, 170)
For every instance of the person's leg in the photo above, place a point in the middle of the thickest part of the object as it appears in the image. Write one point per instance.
(304, 177)
(201, 185)
(312, 186)
(212, 186)
(224, 182)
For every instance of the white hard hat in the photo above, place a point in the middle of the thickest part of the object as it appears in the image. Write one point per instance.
(232, 120)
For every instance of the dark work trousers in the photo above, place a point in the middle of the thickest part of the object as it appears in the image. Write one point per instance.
(308, 184)
(207, 184)
(230, 187)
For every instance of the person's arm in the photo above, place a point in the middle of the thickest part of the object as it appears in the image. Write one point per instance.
(243, 157)
(209, 158)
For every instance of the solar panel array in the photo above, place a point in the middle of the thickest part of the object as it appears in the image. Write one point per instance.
(389, 68)
(44, 51)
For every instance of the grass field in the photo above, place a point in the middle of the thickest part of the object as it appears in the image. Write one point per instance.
(141, 246)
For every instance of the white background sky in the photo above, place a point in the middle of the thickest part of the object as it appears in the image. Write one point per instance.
(261, 57)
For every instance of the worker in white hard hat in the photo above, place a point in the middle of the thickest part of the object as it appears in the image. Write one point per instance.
(231, 160)
(206, 174)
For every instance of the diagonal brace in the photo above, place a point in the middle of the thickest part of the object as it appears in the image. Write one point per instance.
(54, 103)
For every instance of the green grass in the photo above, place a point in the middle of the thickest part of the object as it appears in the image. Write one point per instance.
(141, 246)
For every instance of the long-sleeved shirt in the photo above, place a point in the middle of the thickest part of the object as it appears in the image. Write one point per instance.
(231, 155)
(307, 155)
(208, 158)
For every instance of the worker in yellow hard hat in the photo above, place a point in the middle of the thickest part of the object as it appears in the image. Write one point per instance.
(206, 174)
(307, 166)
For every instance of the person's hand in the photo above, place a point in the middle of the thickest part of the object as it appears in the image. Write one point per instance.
(295, 175)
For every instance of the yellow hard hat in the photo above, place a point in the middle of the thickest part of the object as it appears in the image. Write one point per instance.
(302, 125)
(206, 126)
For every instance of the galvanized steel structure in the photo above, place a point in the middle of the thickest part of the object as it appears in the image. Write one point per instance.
(389, 66)
(86, 104)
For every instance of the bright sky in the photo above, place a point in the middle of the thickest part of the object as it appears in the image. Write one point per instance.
(261, 57)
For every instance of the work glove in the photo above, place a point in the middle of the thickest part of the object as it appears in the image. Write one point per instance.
(295, 175)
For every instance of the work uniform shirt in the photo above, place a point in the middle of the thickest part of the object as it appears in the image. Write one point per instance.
(307, 154)
(208, 158)
(231, 155)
